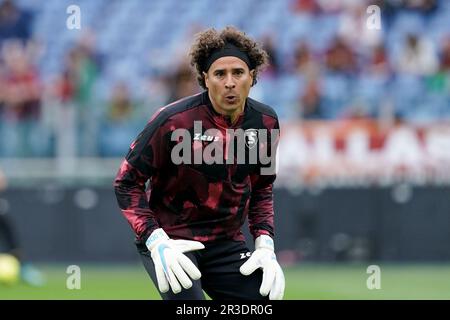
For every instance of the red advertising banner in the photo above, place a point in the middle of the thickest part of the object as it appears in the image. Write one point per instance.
(363, 152)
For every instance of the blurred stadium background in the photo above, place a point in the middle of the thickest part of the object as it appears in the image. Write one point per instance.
(364, 157)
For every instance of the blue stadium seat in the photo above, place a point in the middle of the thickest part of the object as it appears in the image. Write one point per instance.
(407, 91)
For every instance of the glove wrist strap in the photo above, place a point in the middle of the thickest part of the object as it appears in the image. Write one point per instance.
(156, 237)
(264, 241)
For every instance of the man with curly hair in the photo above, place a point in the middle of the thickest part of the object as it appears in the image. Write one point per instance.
(203, 159)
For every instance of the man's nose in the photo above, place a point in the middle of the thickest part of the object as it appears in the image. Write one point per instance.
(229, 82)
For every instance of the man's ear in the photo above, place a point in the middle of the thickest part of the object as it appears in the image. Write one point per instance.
(205, 77)
(252, 74)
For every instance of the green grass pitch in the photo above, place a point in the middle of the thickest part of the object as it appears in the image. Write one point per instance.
(306, 281)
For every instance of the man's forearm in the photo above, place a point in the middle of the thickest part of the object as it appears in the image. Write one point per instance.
(129, 187)
(261, 212)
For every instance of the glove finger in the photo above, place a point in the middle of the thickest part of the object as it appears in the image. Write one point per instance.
(189, 267)
(181, 276)
(188, 245)
(278, 289)
(250, 265)
(174, 284)
(268, 280)
(161, 278)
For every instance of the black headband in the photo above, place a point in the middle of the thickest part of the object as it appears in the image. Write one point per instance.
(228, 50)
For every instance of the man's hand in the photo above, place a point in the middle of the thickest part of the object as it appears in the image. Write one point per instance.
(171, 264)
(264, 257)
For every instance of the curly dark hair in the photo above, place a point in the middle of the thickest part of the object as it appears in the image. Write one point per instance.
(210, 40)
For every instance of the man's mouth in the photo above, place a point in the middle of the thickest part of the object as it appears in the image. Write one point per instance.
(231, 98)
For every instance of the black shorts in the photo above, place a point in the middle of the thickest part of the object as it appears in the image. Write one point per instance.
(219, 264)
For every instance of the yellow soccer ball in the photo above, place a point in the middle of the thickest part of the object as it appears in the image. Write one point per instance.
(9, 269)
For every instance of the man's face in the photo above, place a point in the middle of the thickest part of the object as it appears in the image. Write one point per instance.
(228, 81)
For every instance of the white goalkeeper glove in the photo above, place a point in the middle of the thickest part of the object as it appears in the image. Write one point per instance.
(171, 265)
(264, 257)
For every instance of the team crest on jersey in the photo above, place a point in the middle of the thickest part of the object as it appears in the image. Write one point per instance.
(251, 138)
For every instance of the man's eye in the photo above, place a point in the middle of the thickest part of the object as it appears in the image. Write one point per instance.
(219, 74)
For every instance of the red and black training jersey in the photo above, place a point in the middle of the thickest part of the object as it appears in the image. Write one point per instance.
(197, 201)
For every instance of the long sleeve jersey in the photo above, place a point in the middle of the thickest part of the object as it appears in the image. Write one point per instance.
(199, 200)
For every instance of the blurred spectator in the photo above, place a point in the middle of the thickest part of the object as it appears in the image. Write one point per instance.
(83, 69)
(311, 101)
(304, 61)
(340, 57)
(15, 23)
(418, 56)
(378, 63)
(445, 55)
(120, 106)
(22, 89)
(309, 6)
(64, 87)
(62, 98)
(172, 70)
(274, 66)
(181, 83)
(121, 118)
(438, 84)
(21, 97)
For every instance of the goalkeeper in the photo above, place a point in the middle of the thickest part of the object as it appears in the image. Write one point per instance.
(188, 218)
